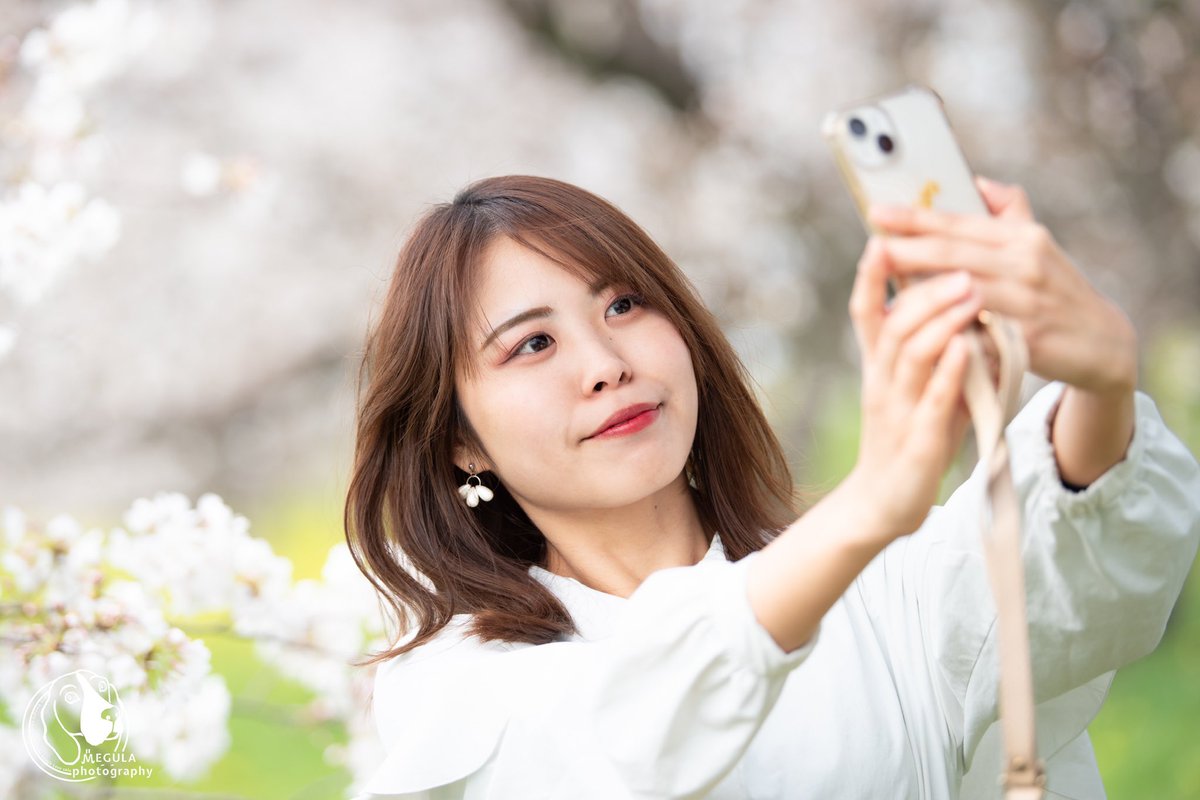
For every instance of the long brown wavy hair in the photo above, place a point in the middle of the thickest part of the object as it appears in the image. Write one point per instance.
(403, 511)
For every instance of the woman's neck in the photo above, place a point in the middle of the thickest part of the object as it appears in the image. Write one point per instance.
(614, 551)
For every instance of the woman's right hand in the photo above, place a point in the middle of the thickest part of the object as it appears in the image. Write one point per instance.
(914, 358)
(913, 418)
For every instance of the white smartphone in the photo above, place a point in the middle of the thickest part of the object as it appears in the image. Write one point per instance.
(899, 149)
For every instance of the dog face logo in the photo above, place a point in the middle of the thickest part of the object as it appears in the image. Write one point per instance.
(928, 192)
(72, 723)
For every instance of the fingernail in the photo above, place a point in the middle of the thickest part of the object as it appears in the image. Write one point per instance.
(876, 248)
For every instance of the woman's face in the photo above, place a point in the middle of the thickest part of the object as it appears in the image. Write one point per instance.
(546, 384)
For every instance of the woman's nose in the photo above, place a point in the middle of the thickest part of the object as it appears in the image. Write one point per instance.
(603, 364)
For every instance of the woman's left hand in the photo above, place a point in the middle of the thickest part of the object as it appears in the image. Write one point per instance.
(1074, 333)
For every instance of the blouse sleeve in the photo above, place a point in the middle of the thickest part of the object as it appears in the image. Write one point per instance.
(663, 707)
(1103, 569)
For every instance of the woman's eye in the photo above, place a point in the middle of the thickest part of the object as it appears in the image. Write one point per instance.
(629, 299)
(521, 348)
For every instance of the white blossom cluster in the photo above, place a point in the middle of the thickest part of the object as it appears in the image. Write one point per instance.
(200, 560)
(78, 50)
(44, 231)
(123, 602)
(48, 223)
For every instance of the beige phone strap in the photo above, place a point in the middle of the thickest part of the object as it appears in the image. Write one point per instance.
(991, 407)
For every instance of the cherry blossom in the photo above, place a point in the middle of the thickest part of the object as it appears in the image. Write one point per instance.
(121, 602)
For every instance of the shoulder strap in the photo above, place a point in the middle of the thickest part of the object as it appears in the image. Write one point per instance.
(992, 406)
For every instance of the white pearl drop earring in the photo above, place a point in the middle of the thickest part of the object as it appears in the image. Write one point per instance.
(473, 493)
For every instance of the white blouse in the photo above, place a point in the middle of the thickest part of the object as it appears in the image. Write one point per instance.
(679, 692)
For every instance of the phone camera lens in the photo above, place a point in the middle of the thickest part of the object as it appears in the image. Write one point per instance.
(885, 143)
(857, 126)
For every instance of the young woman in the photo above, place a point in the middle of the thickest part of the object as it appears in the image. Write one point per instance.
(568, 494)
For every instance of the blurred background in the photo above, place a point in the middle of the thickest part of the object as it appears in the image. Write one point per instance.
(203, 199)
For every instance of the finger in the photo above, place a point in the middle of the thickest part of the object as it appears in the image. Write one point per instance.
(913, 308)
(938, 407)
(1010, 297)
(922, 350)
(910, 221)
(1006, 201)
(910, 255)
(868, 298)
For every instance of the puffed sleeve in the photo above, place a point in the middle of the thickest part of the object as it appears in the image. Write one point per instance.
(665, 706)
(1103, 569)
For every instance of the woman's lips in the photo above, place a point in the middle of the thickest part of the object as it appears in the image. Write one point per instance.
(631, 425)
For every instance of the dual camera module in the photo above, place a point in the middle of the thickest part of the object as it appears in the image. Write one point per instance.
(858, 129)
(870, 136)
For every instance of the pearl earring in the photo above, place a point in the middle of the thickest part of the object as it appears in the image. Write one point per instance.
(473, 493)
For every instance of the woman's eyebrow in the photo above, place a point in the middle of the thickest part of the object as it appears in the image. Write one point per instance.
(540, 312)
(533, 313)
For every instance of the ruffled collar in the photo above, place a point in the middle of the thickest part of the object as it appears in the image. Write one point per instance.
(597, 613)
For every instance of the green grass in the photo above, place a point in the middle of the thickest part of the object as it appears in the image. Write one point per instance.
(1147, 735)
